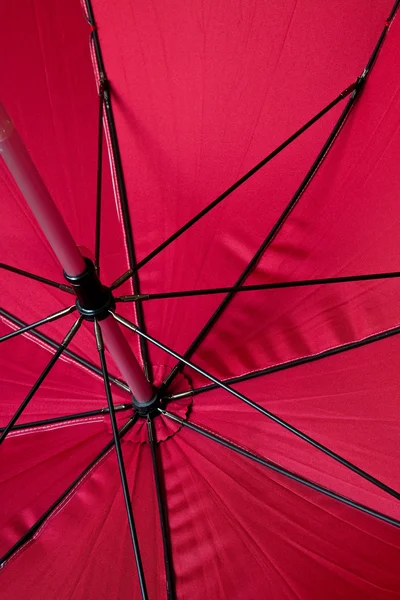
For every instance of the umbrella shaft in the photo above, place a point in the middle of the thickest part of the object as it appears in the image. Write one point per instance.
(124, 358)
(38, 198)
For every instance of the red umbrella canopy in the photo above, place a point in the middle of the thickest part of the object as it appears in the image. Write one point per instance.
(271, 469)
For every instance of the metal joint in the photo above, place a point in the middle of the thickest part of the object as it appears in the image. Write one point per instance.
(94, 300)
(149, 409)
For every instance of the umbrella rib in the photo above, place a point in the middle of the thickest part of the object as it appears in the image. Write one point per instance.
(162, 513)
(260, 286)
(72, 355)
(376, 337)
(71, 333)
(121, 464)
(61, 286)
(261, 250)
(290, 206)
(273, 417)
(234, 186)
(120, 180)
(278, 469)
(38, 524)
(58, 315)
(66, 418)
(99, 182)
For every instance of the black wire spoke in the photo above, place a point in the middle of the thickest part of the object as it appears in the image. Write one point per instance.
(37, 525)
(162, 512)
(71, 333)
(99, 182)
(49, 319)
(260, 286)
(278, 469)
(300, 434)
(121, 464)
(290, 206)
(61, 286)
(376, 337)
(234, 187)
(65, 418)
(120, 180)
(76, 358)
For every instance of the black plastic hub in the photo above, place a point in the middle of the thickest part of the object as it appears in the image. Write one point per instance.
(150, 408)
(93, 300)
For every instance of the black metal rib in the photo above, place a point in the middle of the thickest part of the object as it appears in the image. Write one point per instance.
(66, 418)
(162, 513)
(36, 526)
(290, 206)
(121, 464)
(53, 344)
(61, 286)
(120, 181)
(260, 286)
(42, 377)
(49, 319)
(267, 241)
(97, 238)
(265, 412)
(278, 469)
(376, 337)
(234, 187)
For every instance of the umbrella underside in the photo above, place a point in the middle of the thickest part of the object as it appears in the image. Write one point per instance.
(246, 232)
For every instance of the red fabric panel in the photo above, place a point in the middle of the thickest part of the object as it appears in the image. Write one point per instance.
(237, 530)
(69, 388)
(257, 535)
(85, 550)
(202, 93)
(348, 402)
(344, 224)
(38, 465)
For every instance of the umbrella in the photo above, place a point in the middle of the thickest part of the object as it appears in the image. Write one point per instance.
(200, 400)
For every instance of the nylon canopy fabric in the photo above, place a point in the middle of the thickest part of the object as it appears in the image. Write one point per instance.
(201, 92)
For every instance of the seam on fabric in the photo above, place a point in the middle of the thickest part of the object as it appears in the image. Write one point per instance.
(62, 505)
(117, 197)
(53, 426)
(46, 346)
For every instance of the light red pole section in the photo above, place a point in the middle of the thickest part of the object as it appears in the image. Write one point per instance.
(32, 186)
(38, 197)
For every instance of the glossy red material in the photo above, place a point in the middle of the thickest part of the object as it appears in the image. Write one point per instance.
(123, 356)
(202, 91)
(26, 176)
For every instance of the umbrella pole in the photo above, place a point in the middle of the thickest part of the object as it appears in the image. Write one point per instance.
(93, 299)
